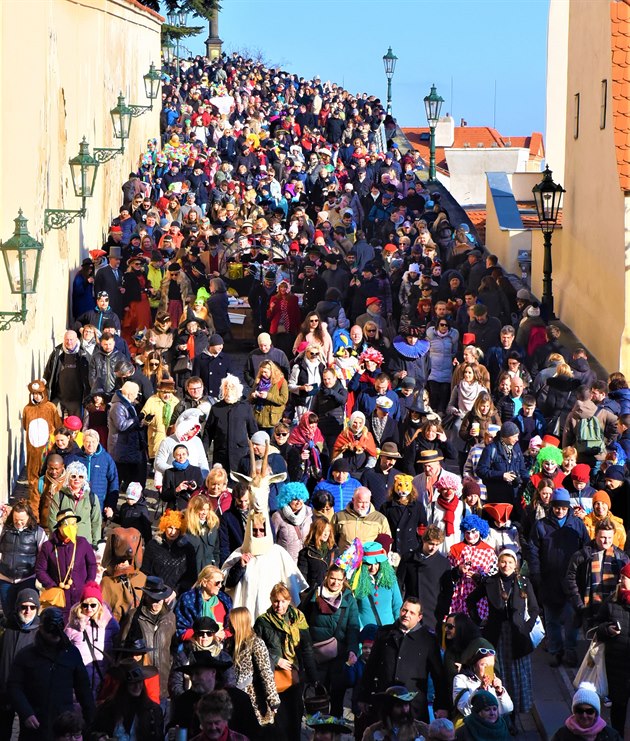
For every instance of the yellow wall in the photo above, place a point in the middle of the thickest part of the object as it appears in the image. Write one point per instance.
(62, 64)
(589, 266)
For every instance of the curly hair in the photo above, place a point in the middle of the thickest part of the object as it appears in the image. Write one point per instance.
(385, 579)
(473, 522)
(172, 518)
(290, 491)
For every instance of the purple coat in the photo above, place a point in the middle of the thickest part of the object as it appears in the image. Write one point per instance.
(84, 570)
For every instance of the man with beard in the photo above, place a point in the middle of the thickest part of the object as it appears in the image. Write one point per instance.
(207, 673)
(67, 375)
(380, 479)
(397, 721)
(54, 478)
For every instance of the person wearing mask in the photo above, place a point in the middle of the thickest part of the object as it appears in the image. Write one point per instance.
(405, 514)
(553, 542)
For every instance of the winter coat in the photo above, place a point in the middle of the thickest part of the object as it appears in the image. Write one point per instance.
(230, 426)
(44, 683)
(231, 532)
(428, 579)
(486, 335)
(617, 653)
(442, 350)
(329, 406)
(274, 640)
(218, 307)
(15, 637)
(272, 406)
(606, 734)
(491, 467)
(556, 399)
(404, 521)
(54, 559)
(550, 549)
(378, 483)
(102, 475)
(342, 493)
(343, 624)
(415, 359)
(156, 429)
(184, 286)
(173, 561)
(212, 370)
(349, 525)
(291, 537)
(577, 582)
(54, 367)
(622, 398)
(87, 508)
(95, 641)
(314, 563)
(206, 547)
(499, 611)
(256, 357)
(406, 658)
(381, 606)
(293, 311)
(18, 551)
(158, 632)
(125, 441)
(190, 606)
(173, 477)
(101, 375)
(122, 592)
(148, 722)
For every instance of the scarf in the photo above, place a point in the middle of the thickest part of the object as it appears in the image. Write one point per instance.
(467, 394)
(604, 576)
(301, 435)
(284, 314)
(289, 626)
(449, 512)
(263, 385)
(329, 602)
(378, 426)
(190, 346)
(294, 518)
(624, 596)
(480, 730)
(180, 466)
(588, 734)
(167, 413)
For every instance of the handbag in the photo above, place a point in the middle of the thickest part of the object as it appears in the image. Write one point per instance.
(326, 650)
(593, 668)
(56, 596)
(182, 364)
(537, 633)
(285, 678)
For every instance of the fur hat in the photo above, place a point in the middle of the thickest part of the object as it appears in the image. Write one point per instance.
(38, 386)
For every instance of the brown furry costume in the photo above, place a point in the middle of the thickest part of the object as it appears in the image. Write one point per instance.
(39, 420)
(122, 579)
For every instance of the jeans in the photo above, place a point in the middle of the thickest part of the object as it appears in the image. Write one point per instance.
(558, 617)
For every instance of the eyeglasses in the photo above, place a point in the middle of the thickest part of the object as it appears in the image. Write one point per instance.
(89, 605)
(28, 608)
(76, 476)
(449, 626)
(218, 583)
(195, 388)
(258, 530)
(313, 321)
(282, 434)
(588, 710)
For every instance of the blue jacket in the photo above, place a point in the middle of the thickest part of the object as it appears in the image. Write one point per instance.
(442, 350)
(387, 603)
(102, 475)
(342, 493)
(190, 606)
(622, 397)
(550, 550)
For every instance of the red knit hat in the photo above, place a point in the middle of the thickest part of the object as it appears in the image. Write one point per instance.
(581, 473)
(92, 590)
(625, 571)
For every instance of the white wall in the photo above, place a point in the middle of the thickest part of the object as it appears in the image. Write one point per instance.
(468, 167)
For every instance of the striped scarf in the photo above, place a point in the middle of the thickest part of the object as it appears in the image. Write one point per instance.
(604, 576)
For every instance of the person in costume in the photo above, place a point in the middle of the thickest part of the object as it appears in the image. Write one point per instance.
(375, 587)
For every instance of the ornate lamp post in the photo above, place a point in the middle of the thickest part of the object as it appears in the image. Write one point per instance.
(389, 62)
(548, 197)
(432, 106)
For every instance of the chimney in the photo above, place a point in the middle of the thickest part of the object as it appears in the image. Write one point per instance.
(445, 131)
(462, 122)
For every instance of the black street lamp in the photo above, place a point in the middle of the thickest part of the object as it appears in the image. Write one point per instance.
(389, 62)
(548, 197)
(432, 106)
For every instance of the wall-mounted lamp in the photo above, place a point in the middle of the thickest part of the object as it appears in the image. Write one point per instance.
(83, 169)
(22, 255)
(152, 81)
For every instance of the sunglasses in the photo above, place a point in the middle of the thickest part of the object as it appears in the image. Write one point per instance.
(28, 608)
(218, 583)
(588, 710)
(76, 476)
(258, 530)
(89, 605)
(282, 434)
(486, 652)
(205, 633)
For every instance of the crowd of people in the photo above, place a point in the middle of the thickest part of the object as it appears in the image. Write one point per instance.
(373, 517)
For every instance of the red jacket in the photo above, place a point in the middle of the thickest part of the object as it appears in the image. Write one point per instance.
(293, 311)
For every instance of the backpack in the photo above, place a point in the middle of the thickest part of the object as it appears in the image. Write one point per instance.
(589, 437)
(537, 338)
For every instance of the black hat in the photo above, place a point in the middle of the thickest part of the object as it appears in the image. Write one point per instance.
(205, 660)
(418, 406)
(51, 620)
(134, 647)
(332, 258)
(156, 588)
(341, 464)
(309, 264)
(87, 262)
(215, 339)
(205, 623)
(408, 382)
(270, 275)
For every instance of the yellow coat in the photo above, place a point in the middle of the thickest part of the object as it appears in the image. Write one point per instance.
(619, 538)
(156, 431)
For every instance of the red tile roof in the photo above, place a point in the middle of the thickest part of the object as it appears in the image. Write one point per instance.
(473, 136)
(478, 218)
(148, 11)
(620, 52)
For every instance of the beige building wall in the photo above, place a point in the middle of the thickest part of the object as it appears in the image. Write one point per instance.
(589, 263)
(62, 65)
(557, 60)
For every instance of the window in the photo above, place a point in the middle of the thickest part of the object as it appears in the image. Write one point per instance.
(576, 115)
(602, 110)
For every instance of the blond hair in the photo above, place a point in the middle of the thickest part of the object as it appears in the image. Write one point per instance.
(207, 573)
(242, 630)
(192, 523)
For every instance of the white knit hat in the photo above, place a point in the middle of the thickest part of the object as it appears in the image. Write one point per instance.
(586, 694)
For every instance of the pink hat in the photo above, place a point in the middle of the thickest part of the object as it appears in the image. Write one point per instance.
(73, 423)
(92, 590)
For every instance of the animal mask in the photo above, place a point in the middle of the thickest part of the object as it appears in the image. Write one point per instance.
(403, 485)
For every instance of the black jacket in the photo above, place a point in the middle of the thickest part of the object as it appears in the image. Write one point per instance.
(230, 426)
(378, 483)
(617, 647)
(577, 582)
(404, 521)
(16, 636)
(212, 369)
(428, 579)
(514, 612)
(174, 562)
(231, 532)
(54, 368)
(406, 658)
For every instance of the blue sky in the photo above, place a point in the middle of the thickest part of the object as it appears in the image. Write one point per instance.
(472, 43)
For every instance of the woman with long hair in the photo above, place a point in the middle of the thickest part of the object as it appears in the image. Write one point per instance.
(475, 423)
(538, 507)
(305, 380)
(284, 317)
(557, 397)
(252, 667)
(269, 395)
(422, 431)
(154, 368)
(458, 631)
(464, 395)
(218, 307)
(202, 530)
(92, 628)
(512, 612)
(315, 332)
(206, 598)
(319, 551)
